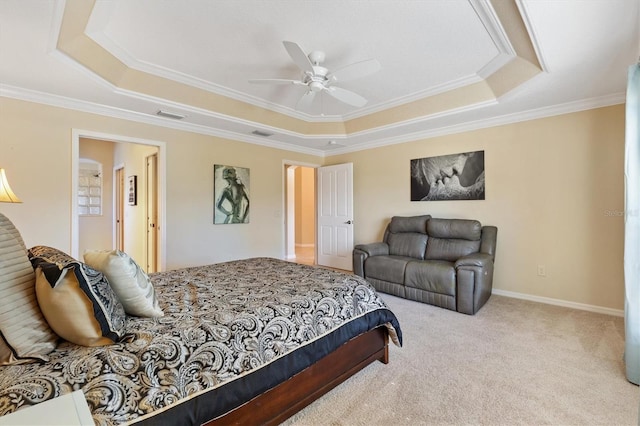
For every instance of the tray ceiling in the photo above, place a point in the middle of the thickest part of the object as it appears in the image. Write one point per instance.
(446, 65)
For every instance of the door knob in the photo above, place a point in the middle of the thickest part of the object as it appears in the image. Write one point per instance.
(349, 222)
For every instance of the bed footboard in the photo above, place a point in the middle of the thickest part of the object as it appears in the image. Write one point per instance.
(286, 399)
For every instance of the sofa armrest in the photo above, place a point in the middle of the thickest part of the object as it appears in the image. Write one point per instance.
(374, 249)
(488, 240)
(481, 260)
(474, 279)
(362, 251)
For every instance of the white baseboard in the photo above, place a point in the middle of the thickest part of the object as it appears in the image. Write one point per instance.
(559, 302)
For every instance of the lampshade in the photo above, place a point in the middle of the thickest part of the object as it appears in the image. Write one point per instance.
(6, 194)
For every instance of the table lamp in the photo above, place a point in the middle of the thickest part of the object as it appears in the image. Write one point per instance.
(6, 194)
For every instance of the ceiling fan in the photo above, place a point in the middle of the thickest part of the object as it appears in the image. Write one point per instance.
(319, 79)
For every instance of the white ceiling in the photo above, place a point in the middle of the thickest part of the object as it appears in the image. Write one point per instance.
(426, 47)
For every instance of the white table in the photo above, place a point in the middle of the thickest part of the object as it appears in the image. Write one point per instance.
(67, 410)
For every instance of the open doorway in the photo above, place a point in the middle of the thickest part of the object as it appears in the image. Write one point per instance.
(301, 213)
(132, 160)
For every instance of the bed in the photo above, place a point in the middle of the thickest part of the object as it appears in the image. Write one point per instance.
(250, 341)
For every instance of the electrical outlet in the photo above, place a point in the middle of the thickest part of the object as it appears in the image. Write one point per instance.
(542, 271)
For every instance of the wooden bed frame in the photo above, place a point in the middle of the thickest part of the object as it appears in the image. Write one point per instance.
(286, 399)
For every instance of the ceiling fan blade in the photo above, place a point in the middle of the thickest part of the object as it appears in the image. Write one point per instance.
(299, 57)
(306, 100)
(357, 70)
(274, 81)
(346, 96)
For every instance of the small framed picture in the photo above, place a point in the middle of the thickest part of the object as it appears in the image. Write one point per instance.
(133, 190)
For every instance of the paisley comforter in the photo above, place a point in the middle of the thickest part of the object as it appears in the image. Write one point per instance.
(230, 332)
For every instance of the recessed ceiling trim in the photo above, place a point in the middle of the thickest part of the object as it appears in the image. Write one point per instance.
(108, 111)
(88, 107)
(283, 131)
(127, 58)
(422, 119)
(526, 18)
(498, 62)
(433, 91)
(96, 27)
(502, 120)
(489, 19)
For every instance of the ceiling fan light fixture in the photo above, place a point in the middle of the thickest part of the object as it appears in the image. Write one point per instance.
(316, 86)
(318, 79)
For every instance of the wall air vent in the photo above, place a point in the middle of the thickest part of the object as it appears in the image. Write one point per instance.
(261, 133)
(172, 115)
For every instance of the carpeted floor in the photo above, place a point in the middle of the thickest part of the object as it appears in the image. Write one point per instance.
(514, 363)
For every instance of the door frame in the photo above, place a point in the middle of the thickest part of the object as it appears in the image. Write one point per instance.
(118, 206)
(76, 135)
(286, 196)
(151, 222)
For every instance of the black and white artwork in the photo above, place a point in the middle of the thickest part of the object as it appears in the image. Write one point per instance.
(231, 194)
(448, 177)
(133, 190)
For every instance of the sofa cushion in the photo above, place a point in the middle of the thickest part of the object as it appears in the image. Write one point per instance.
(450, 249)
(436, 276)
(408, 244)
(386, 268)
(451, 239)
(409, 224)
(455, 228)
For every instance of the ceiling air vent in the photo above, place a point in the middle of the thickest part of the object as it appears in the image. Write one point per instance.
(261, 133)
(172, 115)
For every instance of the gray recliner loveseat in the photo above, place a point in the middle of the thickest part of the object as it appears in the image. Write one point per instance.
(442, 262)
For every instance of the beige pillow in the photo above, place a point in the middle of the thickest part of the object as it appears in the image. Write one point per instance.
(78, 303)
(130, 283)
(25, 335)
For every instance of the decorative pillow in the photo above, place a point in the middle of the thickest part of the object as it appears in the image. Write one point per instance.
(130, 283)
(25, 335)
(78, 302)
(50, 254)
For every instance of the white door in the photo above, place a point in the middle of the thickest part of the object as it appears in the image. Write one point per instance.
(335, 216)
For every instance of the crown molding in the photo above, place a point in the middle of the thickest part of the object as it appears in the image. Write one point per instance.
(94, 108)
(534, 114)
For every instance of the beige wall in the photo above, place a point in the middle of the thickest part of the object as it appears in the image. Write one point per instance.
(96, 232)
(36, 144)
(554, 187)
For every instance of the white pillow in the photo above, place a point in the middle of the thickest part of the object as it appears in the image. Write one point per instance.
(130, 283)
